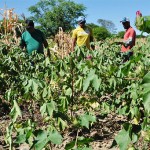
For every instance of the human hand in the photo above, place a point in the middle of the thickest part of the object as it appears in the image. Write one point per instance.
(118, 43)
(93, 47)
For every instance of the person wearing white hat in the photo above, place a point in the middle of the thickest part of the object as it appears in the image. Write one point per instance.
(82, 35)
(128, 40)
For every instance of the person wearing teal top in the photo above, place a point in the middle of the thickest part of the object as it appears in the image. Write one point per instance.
(33, 39)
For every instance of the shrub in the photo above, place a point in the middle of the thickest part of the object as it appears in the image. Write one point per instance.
(121, 34)
(101, 33)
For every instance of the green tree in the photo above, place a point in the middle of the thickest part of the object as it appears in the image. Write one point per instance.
(109, 25)
(52, 14)
(101, 33)
(92, 25)
(121, 34)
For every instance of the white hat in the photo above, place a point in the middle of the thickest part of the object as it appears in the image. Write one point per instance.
(81, 19)
(125, 19)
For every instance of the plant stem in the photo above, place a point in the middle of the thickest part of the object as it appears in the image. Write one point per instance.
(72, 87)
(75, 145)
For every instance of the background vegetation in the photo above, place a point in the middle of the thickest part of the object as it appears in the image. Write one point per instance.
(45, 101)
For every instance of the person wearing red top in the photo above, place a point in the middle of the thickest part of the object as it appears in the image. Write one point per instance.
(128, 40)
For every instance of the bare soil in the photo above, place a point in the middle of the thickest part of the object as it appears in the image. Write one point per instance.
(103, 131)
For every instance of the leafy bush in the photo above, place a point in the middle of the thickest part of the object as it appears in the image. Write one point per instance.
(121, 34)
(101, 33)
(56, 91)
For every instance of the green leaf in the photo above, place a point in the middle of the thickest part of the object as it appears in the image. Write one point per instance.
(43, 109)
(146, 87)
(146, 78)
(35, 87)
(62, 124)
(47, 61)
(125, 70)
(9, 94)
(124, 110)
(68, 92)
(80, 143)
(70, 145)
(84, 141)
(39, 145)
(87, 81)
(79, 83)
(20, 139)
(45, 93)
(28, 134)
(134, 138)
(17, 108)
(112, 82)
(86, 119)
(64, 102)
(86, 84)
(50, 108)
(144, 124)
(15, 111)
(96, 83)
(123, 138)
(41, 134)
(146, 102)
(41, 140)
(27, 88)
(55, 137)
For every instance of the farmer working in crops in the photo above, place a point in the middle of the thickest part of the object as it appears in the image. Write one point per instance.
(33, 39)
(82, 35)
(129, 39)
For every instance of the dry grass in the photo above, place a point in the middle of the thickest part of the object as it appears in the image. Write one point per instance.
(9, 26)
(63, 43)
(11, 30)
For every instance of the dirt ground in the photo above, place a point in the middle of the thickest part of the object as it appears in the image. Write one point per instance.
(102, 132)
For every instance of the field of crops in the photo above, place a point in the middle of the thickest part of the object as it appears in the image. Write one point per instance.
(70, 102)
(74, 102)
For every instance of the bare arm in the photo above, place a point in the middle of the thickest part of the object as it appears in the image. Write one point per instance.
(45, 43)
(128, 42)
(22, 44)
(91, 39)
(73, 43)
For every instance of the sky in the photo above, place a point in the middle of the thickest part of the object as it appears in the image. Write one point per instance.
(113, 10)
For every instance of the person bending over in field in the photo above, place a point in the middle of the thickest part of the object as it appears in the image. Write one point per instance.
(33, 39)
(82, 35)
(128, 40)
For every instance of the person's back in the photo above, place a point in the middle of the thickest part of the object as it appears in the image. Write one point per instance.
(33, 39)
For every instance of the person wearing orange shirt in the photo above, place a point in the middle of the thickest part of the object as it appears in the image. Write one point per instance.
(128, 40)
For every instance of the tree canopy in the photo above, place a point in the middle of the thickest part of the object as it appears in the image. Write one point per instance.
(92, 25)
(52, 14)
(121, 34)
(109, 25)
(101, 33)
